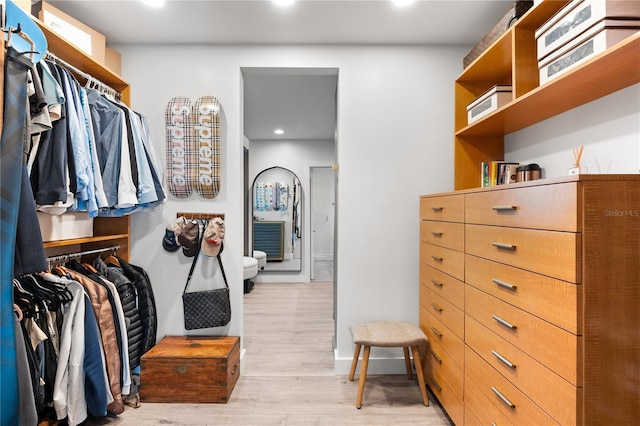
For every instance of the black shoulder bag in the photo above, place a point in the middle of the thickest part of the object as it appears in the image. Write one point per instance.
(208, 308)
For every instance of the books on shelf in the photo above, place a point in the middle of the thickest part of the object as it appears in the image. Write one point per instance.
(497, 173)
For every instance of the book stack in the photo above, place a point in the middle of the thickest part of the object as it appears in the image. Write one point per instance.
(497, 173)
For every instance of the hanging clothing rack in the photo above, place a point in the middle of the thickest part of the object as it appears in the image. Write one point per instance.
(92, 81)
(67, 256)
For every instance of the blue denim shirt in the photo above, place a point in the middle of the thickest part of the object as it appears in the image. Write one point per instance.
(80, 147)
(106, 119)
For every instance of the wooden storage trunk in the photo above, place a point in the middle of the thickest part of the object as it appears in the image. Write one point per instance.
(190, 369)
(520, 7)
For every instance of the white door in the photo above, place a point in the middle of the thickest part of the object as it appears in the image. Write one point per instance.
(322, 222)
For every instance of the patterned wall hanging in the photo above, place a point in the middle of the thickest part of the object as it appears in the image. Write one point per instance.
(193, 146)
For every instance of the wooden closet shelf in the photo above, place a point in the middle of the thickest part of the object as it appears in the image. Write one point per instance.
(94, 239)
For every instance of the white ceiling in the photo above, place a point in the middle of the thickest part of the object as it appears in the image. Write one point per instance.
(293, 100)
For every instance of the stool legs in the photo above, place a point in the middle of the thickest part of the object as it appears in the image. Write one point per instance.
(354, 363)
(407, 363)
(365, 365)
(418, 364)
(363, 375)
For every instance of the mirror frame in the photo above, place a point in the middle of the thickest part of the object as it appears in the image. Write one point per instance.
(300, 214)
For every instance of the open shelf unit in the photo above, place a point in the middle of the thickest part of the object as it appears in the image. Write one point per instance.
(107, 231)
(512, 60)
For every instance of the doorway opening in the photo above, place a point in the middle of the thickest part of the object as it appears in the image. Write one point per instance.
(322, 205)
(290, 123)
(301, 104)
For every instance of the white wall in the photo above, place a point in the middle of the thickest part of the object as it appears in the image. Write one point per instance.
(395, 126)
(608, 128)
(296, 156)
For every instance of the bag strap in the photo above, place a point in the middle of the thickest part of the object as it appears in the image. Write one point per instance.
(193, 265)
(222, 267)
(195, 260)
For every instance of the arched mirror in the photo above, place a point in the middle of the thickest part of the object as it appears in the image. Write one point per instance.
(277, 218)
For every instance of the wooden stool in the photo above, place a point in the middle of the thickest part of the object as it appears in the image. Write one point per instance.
(391, 334)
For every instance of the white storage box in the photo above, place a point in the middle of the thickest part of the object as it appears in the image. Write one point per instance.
(577, 17)
(66, 226)
(490, 101)
(596, 39)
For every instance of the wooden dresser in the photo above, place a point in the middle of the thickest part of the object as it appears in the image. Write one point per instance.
(530, 297)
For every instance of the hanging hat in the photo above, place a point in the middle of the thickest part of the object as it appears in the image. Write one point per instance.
(212, 237)
(189, 238)
(170, 239)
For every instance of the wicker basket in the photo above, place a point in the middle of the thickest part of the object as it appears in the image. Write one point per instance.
(519, 8)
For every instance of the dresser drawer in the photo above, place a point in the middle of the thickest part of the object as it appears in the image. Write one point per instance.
(442, 284)
(511, 402)
(449, 208)
(470, 419)
(439, 334)
(444, 259)
(449, 369)
(552, 207)
(441, 388)
(550, 345)
(556, 301)
(451, 316)
(552, 393)
(552, 253)
(445, 234)
(479, 410)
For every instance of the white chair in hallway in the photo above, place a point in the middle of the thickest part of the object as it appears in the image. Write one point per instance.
(261, 257)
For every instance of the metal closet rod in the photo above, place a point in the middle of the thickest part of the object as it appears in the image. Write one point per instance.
(82, 253)
(81, 73)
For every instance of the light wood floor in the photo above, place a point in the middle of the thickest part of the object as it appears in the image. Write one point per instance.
(287, 374)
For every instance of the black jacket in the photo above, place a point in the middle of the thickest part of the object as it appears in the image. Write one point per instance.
(128, 298)
(146, 302)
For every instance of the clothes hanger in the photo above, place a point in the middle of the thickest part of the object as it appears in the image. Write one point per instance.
(18, 312)
(112, 259)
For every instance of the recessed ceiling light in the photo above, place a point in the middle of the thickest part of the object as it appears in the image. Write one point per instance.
(402, 3)
(278, 131)
(284, 2)
(154, 3)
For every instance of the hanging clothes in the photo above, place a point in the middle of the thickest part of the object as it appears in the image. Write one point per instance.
(104, 316)
(99, 151)
(11, 148)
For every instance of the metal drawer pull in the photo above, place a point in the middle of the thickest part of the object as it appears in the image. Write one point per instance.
(503, 359)
(436, 209)
(503, 398)
(438, 308)
(436, 384)
(503, 322)
(436, 234)
(436, 332)
(504, 246)
(437, 283)
(493, 424)
(436, 357)
(503, 208)
(504, 284)
(437, 259)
